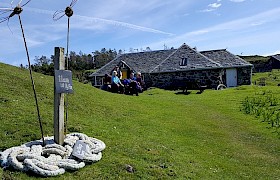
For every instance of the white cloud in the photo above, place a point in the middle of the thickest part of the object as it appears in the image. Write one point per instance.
(258, 23)
(272, 53)
(237, 1)
(212, 7)
(91, 22)
(215, 5)
(224, 28)
(119, 23)
(207, 10)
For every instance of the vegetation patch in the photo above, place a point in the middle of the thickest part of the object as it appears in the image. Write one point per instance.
(269, 78)
(265, 106)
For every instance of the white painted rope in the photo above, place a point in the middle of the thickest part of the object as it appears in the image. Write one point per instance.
(53, 159)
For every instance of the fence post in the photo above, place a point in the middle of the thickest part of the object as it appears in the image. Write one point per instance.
(59, 64)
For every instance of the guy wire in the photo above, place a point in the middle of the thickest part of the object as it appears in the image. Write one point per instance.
(32, 81)
(67, 68)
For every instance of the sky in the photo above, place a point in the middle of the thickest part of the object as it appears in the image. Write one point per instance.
(243, 27)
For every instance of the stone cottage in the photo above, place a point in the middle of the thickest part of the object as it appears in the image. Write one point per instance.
(275, 61)
(160, 68)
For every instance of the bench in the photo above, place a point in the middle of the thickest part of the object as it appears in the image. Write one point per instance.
(185, 85)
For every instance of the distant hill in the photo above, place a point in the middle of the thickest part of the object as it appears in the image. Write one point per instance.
(260, 63)
(255, 58)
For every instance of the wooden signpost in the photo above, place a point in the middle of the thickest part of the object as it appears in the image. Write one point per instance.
(62, 84)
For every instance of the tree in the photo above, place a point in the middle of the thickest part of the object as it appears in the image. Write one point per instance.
(43, 60)
(43, 65)
(148, 49)
(104, 56)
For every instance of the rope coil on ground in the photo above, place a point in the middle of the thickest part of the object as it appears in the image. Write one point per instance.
(53, 159)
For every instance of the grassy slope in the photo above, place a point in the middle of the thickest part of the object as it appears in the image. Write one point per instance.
(162, 135)
(254, 58)
(271, 78)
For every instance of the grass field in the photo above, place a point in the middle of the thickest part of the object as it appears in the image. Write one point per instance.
(271, 78)
(162, 135)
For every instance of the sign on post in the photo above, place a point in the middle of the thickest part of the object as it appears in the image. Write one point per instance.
(81, 150)
(63, 81)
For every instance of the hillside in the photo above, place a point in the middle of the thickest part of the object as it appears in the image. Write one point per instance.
(162, 135)
(255, 58)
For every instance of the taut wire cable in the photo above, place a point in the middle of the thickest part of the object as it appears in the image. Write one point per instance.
(67, 68)
(32, 81)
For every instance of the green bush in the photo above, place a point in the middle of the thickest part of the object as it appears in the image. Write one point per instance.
(265, 106)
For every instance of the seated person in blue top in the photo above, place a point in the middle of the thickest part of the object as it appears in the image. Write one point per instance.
(117, 85)
(119, 72)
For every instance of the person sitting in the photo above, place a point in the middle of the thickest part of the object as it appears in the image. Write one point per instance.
(106, 83)
(131, 85)
(141, 83)
(119, 72)
(117, 85)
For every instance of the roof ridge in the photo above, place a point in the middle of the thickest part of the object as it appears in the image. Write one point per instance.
(207, 57)
(246, 62)
(210, 60)
(213, 50)
(109, 63)
(166, 58)
(151, 51)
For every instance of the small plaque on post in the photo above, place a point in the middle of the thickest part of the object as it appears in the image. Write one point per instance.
(63, 81)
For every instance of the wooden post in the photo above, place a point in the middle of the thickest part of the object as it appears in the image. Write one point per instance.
(59, 64)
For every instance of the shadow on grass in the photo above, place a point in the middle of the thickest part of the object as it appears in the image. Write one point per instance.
(186, 93)
(183, 93)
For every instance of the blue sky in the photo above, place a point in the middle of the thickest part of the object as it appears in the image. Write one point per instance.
(247, 27)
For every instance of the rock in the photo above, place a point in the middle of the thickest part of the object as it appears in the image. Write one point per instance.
(129, 168)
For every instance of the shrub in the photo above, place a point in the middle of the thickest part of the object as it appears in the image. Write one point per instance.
(265, 106)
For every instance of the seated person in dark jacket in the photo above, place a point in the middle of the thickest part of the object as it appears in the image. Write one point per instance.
(107, 83)
(117, 85)
(141, 83)
(131, 87)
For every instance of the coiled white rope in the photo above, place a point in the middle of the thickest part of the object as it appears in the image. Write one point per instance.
(53, 159)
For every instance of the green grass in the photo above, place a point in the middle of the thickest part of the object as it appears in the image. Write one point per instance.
(271, 78)
(161, 134)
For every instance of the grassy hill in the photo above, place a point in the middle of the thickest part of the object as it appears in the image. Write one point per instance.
(255, 58)
(162, 135)
(271, 78)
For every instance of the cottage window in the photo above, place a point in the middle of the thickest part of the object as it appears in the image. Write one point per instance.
(184, 62)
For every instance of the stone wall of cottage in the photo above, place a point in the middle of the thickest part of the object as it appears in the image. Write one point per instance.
(244, 76)
(206, 77)
(209, 77)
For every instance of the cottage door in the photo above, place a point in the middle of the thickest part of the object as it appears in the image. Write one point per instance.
(124, 74)
(231, 76)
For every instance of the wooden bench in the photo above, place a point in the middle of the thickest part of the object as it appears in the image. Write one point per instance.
(185, 85)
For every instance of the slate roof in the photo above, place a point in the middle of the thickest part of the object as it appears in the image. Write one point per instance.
(225, 58)
(169, 60)
(277, 56)
(139, 62)
(195, 60)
